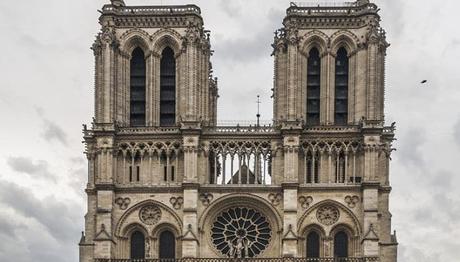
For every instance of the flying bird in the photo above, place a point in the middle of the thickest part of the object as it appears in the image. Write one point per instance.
(424, 81)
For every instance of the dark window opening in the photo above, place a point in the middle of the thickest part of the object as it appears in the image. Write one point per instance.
(130, 174)
(165, 174)
(168, 88)
(313, 244)
(172, 173)
(167, 245)
(312, 171)
(341, 244)
(138, 174)
(341, 87)
(137, 245)
(313, 87)
(137, 94)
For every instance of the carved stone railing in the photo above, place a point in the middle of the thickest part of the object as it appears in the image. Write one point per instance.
(330, 259)
(343, 8)
(148, 130)
(332, 129)
(240, 129)
(152, 10)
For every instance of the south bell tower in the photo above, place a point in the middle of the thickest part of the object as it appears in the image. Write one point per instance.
(166, 182)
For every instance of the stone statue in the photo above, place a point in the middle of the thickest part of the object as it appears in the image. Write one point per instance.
(118, 3)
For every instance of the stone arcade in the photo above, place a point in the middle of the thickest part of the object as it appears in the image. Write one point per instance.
(166, 182)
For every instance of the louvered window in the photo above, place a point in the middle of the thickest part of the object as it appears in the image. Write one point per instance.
(168, 88)
(341, 87)
(137, 94)
(313, 87)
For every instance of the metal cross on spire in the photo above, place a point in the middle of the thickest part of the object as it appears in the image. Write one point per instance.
(258, 110)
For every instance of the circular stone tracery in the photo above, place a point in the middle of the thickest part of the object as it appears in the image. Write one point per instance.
(150, 214)
(241, 232)
(327, 215)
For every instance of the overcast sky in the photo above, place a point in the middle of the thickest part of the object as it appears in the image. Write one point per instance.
(46, 93)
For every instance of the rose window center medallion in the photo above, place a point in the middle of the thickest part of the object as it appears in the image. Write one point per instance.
(150, 214)
(328, 215)
(241, 232)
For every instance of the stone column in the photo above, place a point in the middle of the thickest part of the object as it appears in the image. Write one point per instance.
(370, 242)
(190, 247)
(290, 187)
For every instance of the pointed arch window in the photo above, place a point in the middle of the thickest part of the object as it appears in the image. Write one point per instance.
(341, 244)
(341, 87)
(168, 88)
(137, 90)
(313, 87)
(137, 245)
(313, 245)
(167, 245)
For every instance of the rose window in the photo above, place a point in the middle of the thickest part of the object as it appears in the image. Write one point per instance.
(241, 232)
(328, 215)
(150, 214)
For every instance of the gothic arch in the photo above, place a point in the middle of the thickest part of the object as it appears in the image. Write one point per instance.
(166, 38)
(130, 228)
(121, 226)
(313, 39)
(241, 200)
(304, 223)
(135, 38)
(345, 39)
(163, 227)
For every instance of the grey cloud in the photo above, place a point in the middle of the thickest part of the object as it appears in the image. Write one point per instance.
(231, 8)
(28, 166)
(251, 46)
(51, 131)
(457, 132)
(61, 220)
(39, 231)
(411, 148)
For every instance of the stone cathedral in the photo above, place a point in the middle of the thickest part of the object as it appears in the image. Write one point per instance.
(165, 181)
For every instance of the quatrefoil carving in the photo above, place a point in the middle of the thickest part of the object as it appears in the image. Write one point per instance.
(275, 198)
(123, 203)
(176, 202)
(206, 198)
(305, 201)
(351, 201)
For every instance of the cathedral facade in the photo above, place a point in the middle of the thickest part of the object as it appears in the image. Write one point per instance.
(165, 181)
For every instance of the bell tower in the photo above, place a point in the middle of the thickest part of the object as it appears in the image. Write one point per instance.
(329, 65)
(153, 68)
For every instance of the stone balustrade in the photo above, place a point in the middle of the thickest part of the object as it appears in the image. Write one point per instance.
(329, 259)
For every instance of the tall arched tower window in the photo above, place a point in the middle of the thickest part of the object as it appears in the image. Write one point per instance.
(341, 244)
(137, 245)
(168, 88)
(137, 94)
(167, 245)
(313, 87)
(313, 244)
(341, 87)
